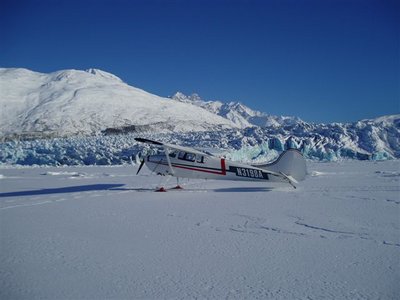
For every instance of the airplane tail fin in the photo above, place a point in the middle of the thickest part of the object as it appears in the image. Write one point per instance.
(291, 164)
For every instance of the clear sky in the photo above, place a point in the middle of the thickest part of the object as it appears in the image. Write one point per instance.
(320, 60)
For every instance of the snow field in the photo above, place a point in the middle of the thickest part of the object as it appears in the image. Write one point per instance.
(101, 232)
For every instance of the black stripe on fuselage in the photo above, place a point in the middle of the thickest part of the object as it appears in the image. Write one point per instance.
(197, 166)
(163, 162)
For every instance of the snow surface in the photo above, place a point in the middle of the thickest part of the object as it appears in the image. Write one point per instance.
(101, 232)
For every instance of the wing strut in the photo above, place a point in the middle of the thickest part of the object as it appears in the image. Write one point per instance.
(168, 160)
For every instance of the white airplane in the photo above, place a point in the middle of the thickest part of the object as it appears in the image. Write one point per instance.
(184, 162)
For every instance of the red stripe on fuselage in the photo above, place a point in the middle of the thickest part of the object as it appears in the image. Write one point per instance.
(223, 168)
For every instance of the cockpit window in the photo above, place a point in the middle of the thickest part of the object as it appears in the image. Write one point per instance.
(187, 156)
(190, 157)
(172, 154)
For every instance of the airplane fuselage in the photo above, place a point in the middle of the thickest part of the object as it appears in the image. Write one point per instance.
(189, 165)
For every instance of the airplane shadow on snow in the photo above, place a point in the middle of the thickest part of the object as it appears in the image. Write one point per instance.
(62, 190)
(243, 189)
(218, 190)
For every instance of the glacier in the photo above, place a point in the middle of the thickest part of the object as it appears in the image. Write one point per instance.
(377, 139)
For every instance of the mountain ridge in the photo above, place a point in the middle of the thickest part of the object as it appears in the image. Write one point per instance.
(240, 114)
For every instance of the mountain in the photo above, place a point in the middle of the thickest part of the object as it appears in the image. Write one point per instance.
(238, 113)
(72, 102)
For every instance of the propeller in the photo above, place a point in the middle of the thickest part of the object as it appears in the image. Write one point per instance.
(140, 167)
(141, 158)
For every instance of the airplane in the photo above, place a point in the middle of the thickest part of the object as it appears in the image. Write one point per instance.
(185, 162)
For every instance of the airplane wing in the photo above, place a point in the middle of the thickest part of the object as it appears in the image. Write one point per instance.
(149, 141)
(174, 147)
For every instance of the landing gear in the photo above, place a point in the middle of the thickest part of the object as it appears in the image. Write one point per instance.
(177, 187)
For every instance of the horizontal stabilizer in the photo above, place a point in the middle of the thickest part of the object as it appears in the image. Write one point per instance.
(290, 178)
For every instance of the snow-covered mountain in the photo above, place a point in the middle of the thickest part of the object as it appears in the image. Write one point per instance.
(71, 102)
(239, 114)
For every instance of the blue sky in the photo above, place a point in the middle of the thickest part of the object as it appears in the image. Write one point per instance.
(322, 61)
